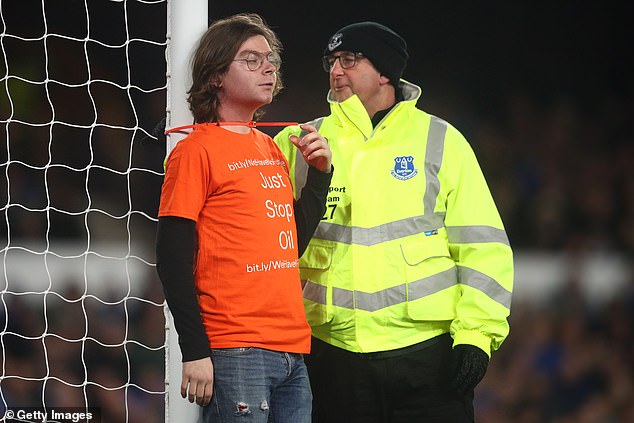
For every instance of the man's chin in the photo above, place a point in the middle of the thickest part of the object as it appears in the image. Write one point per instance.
(342, 94)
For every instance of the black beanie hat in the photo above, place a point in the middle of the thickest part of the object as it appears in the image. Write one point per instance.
(385, 48)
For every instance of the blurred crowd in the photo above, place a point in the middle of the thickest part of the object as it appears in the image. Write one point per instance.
(67, 351)
(565, 361)
(559, 166)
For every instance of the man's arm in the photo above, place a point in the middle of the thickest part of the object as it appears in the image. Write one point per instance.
(310, 207)
(174, 264)
(479, 245)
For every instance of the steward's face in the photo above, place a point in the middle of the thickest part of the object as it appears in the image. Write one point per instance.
(358, 77)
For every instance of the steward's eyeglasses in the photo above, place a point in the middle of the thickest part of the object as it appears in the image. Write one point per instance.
(347, 60)
(255, 60)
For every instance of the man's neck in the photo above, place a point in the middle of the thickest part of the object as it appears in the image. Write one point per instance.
(233, 115)
(378, 116)
(385, 99)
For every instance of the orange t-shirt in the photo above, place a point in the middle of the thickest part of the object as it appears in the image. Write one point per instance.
(237, 189)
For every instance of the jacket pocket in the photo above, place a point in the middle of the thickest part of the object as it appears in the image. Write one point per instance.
(431, 278)
(315, 265)
(423, 247)
(316, 257)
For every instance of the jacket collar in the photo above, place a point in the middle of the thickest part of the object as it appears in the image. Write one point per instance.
(351, 110)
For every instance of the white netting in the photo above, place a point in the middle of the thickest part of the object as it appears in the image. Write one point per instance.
(82, 85)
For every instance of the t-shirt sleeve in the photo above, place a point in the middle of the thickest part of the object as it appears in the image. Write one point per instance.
(187, 181)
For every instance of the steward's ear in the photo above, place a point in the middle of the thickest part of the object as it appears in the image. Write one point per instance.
(383, 80)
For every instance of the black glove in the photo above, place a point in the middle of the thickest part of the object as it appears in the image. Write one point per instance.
(468, 366)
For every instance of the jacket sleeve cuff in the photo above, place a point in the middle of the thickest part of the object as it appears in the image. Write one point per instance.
(475, 338)
(320, 177)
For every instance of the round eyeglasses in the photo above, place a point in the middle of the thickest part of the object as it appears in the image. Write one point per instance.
(347, 60)
(255, 60)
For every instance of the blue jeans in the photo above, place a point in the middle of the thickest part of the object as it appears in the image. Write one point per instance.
(258, 386)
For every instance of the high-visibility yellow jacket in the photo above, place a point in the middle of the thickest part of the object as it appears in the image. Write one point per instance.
(411, 245)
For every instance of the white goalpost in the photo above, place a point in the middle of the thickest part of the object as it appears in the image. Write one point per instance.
(187, 21)
(83, 324)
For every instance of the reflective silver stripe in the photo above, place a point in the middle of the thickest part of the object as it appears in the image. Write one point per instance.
(421, 288)
(373, 301)
(430, 285)
(369, 301)
(377, 234)
(486, 284)
(475, 234)
(301, 167)
(433, 161)
(314, 292)
(342, 298)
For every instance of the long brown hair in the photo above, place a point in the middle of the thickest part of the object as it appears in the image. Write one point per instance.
(213, 56)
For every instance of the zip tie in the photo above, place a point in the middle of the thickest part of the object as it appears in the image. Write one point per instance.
(250, 124)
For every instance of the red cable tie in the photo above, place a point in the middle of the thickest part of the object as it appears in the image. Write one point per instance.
(250, 124)
(275, 123)
(178, 129)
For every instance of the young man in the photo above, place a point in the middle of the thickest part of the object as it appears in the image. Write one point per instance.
(229, 233)
(408, 278)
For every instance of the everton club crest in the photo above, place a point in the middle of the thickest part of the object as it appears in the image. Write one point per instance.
(335, 41)
(404, 168)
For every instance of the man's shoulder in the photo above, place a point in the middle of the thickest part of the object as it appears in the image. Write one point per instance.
(194, 141)
(282, 136)
(317, 121)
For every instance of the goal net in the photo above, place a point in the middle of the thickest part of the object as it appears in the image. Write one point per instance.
(82, 321)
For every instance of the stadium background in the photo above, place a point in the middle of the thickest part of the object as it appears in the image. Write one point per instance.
(543, 91)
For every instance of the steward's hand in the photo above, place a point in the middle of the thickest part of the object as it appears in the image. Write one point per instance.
(198, 381)
(314, 148)
(468, 366)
